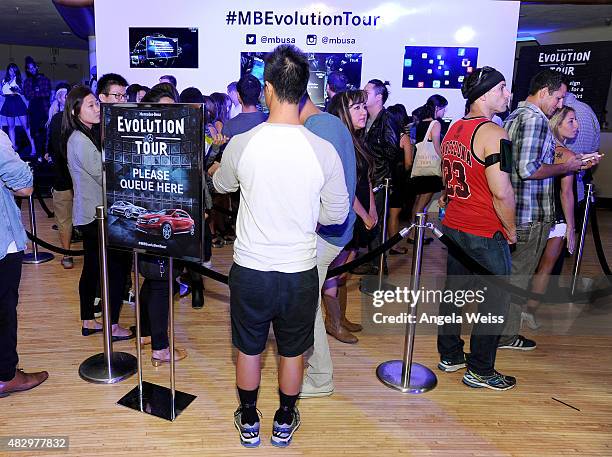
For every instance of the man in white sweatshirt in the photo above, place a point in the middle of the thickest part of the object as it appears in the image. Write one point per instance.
(289, 180)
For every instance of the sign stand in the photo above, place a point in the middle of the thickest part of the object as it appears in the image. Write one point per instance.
(151, 398)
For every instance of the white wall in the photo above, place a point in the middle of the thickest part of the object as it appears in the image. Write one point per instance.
(405, 22)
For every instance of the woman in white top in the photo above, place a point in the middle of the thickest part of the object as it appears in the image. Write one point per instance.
(14, 107)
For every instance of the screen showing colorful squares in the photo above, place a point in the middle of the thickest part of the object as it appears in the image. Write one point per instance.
(433, 67)
(320, 64)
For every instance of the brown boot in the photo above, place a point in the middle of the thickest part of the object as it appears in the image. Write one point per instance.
(22, 381)
(350, 326)
(332, 321)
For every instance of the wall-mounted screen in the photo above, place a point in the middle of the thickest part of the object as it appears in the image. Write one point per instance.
(321, 65)
(163, 47)
(432, 67)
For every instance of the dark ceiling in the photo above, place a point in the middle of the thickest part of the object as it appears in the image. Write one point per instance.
(37, 22)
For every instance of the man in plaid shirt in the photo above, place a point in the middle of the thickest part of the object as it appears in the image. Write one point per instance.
(533, 173)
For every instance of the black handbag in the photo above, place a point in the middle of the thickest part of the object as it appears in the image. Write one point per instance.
(156, 268)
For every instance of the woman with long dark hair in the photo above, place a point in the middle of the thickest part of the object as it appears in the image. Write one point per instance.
(424, 187)
(400, 176)
(14, 107)
(350, 107)
(83, 151)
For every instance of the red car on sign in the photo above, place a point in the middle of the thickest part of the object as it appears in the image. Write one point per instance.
(166, 223)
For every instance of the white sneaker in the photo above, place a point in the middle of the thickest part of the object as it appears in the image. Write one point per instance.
(97, 303)
(530, 320)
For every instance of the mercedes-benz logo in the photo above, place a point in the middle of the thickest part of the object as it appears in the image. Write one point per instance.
(149, 138)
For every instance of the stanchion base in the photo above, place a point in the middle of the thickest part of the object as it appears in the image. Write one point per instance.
(42, 257)
(156, 401)
(369, 285)
(422, 379)
(94, 369)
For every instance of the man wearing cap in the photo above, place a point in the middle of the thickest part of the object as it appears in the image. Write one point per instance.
(480, 218)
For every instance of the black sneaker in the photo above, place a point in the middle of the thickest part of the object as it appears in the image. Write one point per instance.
(249, 433)
(283, 433)
(520, 343)
(452, 365)
(496, 381)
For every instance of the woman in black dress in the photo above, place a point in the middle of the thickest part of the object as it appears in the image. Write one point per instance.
(14, 107)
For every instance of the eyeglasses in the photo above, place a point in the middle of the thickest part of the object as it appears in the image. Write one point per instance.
(483, 71)
(119, 96)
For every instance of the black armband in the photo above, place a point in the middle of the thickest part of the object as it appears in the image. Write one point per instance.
(504, 157)
(505, 149)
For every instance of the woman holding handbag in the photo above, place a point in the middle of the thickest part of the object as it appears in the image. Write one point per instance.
(426, 177)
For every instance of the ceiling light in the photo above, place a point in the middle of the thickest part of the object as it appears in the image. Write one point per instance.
(464, 35)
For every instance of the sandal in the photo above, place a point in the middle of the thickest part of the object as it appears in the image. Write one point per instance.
(179, 354)
(398, 251)
(67, 262)
(218, 242)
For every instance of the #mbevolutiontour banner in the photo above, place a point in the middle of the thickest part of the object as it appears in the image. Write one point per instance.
(153, 178)
(587, 66)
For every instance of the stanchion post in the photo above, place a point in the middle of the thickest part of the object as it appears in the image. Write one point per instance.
(415, 282)
(107, 367)
(585, 223)
(107, 331)
(404, 375)
(138, 324)
(381, 261)
(171, 325)
(35, 257)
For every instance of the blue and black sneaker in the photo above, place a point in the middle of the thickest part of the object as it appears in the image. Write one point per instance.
(249, 433)
(496, 381)
(282, 433)
(449, 365)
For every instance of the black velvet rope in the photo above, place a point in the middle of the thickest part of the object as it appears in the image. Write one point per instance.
(497, 281)
(212, 274)
(366, 257)
(601, 256)
(53, 248)
(50, 214)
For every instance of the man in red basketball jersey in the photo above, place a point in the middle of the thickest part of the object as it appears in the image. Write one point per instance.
(480, 217)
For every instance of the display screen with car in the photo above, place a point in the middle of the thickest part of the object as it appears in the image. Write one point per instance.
(167, 222)
(126, 209)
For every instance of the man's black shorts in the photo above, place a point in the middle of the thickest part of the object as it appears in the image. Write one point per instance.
(288, 300)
